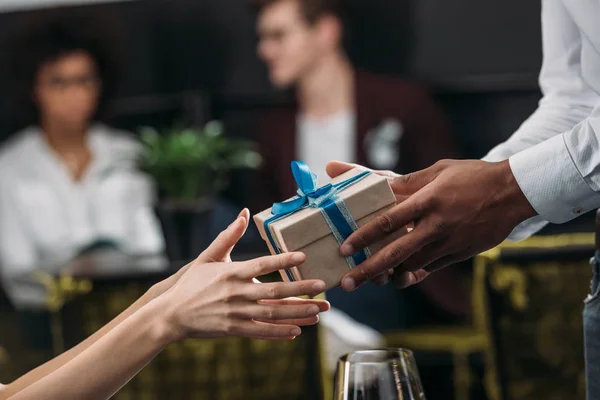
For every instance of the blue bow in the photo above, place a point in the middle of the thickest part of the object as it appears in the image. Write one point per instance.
(334, 210)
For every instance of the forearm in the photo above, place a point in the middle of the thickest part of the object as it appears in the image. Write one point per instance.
(568, 99)
(105, 366)
(66, 357)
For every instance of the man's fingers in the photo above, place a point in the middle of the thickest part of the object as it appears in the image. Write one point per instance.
(265, 265)
(425, 256)
(222, 246)
(411, 183)
(283, 290)
(389, 257)
(443, 263)
(403, 279)
(262, 330)
(382, 279)
(384, 225)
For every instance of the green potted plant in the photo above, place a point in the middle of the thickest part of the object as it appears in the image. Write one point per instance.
(190, 167)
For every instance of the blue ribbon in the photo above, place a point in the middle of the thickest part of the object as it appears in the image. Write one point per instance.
(326, 199)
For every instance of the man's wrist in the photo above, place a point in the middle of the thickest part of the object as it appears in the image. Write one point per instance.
(512, 194)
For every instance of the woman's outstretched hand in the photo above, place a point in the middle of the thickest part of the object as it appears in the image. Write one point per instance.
(213, 297)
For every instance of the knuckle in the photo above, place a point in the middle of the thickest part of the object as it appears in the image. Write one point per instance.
(359, 239)
(385, 223)
(225, 275)
(441, 164)
(274, 292)
(364, 274)
(257, 267)
(426, 203)
(229, 328)
(439, 227)
(228, 295)
(392, 255)
(305, 288)
(229, 311)
(283, 262)
(270, 313)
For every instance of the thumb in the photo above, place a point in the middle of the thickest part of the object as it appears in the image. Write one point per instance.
(222, 246)
(336, 168)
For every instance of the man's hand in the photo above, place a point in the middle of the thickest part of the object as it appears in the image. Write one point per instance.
(459, 209)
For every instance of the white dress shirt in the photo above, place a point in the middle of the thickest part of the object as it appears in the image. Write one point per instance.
(321, 140)
(555, 154)
(47, 218)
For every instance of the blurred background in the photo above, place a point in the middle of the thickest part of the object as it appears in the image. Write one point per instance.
(132, 132)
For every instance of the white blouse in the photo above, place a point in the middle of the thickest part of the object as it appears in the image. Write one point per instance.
(47, 218)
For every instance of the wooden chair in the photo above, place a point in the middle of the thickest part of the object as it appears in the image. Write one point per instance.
(530, 303)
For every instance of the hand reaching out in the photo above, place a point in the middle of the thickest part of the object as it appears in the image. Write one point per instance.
(213, 297)
(459, 209)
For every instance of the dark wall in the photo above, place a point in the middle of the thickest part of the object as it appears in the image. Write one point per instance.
(481, 57)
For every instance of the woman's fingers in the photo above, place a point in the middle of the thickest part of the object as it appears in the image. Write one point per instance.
(297, 322)
(283, 290)
(266, 265)
(322, 304)
(222, 246)
(271, 312)
(262, 330)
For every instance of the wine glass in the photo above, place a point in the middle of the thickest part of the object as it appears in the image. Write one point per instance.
(387, 374)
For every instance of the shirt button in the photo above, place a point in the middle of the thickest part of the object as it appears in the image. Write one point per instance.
(578, 210)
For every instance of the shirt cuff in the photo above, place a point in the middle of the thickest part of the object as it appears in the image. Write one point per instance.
(527, 228)
(551, 181)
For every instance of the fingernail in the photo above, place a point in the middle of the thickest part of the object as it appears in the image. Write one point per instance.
(312, 310)
(242, 212)
(319, 286)
(295, 331)
(349, 284)
(298, 258)
(347, 250)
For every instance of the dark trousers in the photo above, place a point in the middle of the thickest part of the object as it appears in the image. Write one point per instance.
(591, 327)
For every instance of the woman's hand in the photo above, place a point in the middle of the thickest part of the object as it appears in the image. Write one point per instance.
(222, 299)
(219, 251)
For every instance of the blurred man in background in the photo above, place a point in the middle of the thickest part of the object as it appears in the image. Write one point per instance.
(347, 114)
(340, 111)
(66, 182)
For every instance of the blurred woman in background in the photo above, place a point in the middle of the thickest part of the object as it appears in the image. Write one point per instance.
(67, 182)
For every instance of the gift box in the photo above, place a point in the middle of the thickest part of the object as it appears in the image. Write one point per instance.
(319, 219)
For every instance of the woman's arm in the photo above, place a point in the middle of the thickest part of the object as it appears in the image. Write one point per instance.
(209, 300)
(54, 364)
(219, 251)
(103, 366)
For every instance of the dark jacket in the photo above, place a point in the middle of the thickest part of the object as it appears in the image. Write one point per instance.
(423, 132)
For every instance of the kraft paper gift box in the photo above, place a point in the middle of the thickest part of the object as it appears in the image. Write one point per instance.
(362, 194)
